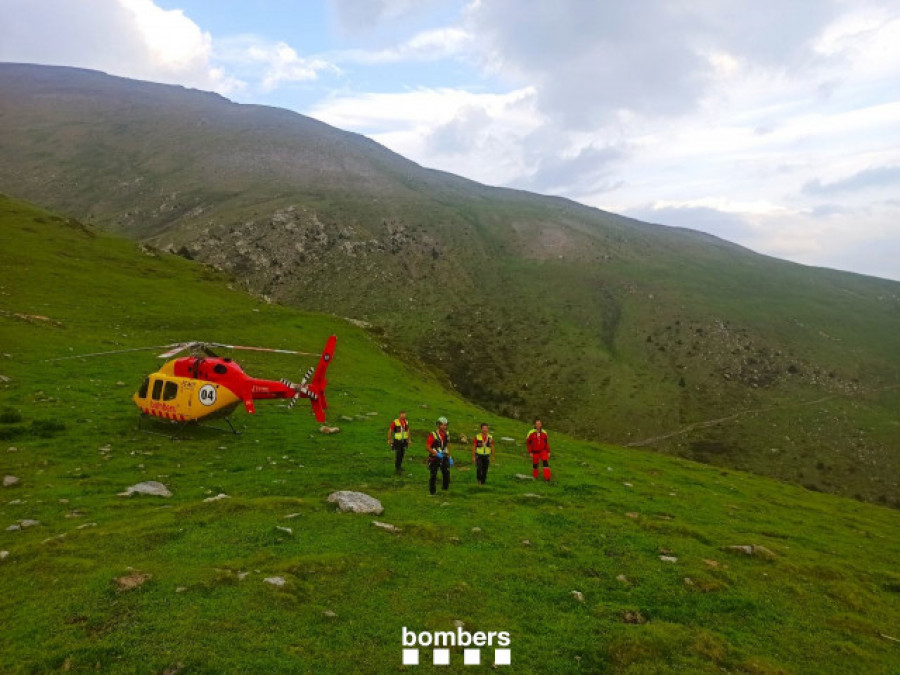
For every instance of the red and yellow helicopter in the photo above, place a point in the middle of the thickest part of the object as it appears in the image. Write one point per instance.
(203, 385)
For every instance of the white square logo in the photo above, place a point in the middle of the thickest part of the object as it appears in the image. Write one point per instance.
(410, 657)
(472, 657)
(442, 657)
(502, 657)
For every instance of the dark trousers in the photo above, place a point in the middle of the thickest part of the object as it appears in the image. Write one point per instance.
(433, 465)
(399, 451)
(483, 463)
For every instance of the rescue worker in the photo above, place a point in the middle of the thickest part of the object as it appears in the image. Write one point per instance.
(483, 452)
(539, 449)
(398, 440)
(438, 455)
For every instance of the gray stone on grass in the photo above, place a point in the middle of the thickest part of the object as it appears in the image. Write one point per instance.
(386, 526)
(356, 502)
(4, 555)
(29, 522)
(274, 581)
(522, 476)
(754, 550)
(148, 487)
(578, 595)
(219, 496)
(9, 481)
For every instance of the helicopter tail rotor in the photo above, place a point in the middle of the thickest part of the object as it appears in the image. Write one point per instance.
(317, 385)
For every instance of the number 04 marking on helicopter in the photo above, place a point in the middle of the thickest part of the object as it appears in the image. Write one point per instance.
(207, 394)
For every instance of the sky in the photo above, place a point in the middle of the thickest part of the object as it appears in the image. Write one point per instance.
(773, 124)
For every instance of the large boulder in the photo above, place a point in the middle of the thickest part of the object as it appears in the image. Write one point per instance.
(356, 502)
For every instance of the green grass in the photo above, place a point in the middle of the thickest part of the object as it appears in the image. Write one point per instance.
(821, 606)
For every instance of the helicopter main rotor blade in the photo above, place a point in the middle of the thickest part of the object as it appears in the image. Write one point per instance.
(115, 351)
(175, 349)
(259, 349)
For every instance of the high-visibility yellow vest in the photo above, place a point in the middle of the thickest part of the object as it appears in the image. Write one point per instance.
(483, 445)
(401, 433)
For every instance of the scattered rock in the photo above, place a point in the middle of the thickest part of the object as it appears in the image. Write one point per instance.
(633, 617)
(633, 514)
(372, 414)
(356, 502)
(522, 476)
(219, 496)
(286, 530)
(329, 614)
(668, 558)
(688, 581)
(532, 495)
(329, 430)
(28, 522)
(628, 485)
(293, 515)
(578, 595)
(507, 439)
(386, 526)
(4, 555)
(131, 581)
(14, 528)
(149, 487)
(459, 624)
(242, 575)
(344, 418)
(526, 542)
(275, 581)
(622, 578)
(9, 481)
(758, 551)
(463, 439)
(476, 530)
(81, 527)
(712, 563)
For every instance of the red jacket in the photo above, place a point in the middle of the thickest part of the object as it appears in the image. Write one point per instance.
(436, 438)
(537, 441)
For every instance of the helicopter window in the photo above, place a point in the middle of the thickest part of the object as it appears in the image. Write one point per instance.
(157, 389)
(171, 391)
(220, 369)
(142, 392)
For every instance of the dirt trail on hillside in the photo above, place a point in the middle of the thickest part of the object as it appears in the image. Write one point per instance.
(720, 420)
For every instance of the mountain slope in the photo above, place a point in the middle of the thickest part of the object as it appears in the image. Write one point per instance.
(830, 590)
(606, 327)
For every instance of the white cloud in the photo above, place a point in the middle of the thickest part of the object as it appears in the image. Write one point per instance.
(270, 64)
(429, 45)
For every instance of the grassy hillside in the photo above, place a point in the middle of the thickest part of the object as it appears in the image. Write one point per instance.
(612, 329)
(70, 436)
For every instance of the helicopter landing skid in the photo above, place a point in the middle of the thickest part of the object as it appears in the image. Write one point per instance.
(182, 425)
